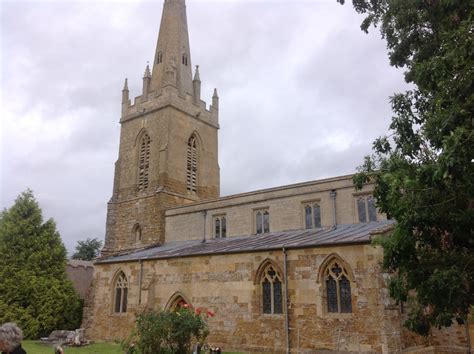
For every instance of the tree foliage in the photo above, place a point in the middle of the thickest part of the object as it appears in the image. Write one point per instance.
(87, 250)
(172, 331)
(424, 171)
(34, 289)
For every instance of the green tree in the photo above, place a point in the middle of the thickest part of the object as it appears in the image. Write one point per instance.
(34, 289)
(424, 171)
(87, 250)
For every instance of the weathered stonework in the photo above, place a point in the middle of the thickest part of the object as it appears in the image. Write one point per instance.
(166, 199)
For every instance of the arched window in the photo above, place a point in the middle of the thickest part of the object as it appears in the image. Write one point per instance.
(262, 222)
(191, 165)
(220, 227)
(338, 288)
(144, 163)
(184, 59)
(121, 293)
(159, 58)
(272, 298)
(137, 232)
(312, 213)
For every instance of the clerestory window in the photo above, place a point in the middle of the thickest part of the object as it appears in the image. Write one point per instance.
(338, 288)
(312, 213)
(220, 227)
(262, 221)
(191, 165)
(366, 209)
(272, 299)
(144, 163)
(121, 293)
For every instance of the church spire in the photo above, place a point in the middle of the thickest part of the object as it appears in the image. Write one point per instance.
(172, 64)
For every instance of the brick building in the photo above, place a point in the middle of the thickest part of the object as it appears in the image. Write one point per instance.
(284, 269)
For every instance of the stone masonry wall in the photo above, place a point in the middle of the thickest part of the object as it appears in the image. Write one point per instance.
(227, 285)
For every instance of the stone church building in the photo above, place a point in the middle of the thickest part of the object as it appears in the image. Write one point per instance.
(284, 269)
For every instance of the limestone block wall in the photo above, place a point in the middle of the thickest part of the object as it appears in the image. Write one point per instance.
(228, 285)
(285, 205)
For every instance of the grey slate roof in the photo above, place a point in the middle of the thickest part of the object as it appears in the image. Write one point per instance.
(339, 235)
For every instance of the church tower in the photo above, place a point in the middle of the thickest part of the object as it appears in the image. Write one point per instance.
(168, 154)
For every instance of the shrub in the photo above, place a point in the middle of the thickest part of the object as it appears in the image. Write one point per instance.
(166, 332)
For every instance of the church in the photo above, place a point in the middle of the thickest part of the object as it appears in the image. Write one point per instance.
(285, 269)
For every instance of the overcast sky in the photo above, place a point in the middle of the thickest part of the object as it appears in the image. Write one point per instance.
(303, 93)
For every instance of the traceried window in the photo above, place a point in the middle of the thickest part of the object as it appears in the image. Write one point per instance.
(366, 209)
(262, 222)
(312, 215)
(121, 293)
(272, 299)
(191, 165)
(338, 288)
(137, 232)
(220, 227)
(144, 163)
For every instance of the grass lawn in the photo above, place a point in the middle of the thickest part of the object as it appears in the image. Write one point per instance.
(32, 347)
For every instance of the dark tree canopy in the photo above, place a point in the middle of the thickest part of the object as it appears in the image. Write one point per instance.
(87, 250)
(424, 170)
(34, 289)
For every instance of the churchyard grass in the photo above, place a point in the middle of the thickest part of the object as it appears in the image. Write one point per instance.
(33, 347)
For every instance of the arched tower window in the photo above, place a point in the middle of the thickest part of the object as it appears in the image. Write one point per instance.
(184, 59)
(144, 163)
(338, 288)
(137, 232)
(191, 165)
(272, 297)
(159, 58)
(121, 293)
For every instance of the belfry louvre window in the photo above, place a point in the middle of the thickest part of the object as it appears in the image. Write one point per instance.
(144, 163)
(271, 291)
(338, 289)
(121, 293)
(366, 209)
(262, 222)
(191, 165)
(312, 215)
(220, 227)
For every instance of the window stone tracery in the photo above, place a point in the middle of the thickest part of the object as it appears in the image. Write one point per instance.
(121, 293)
(272, 296)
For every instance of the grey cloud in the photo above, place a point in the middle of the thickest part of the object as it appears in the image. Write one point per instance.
(303, 94)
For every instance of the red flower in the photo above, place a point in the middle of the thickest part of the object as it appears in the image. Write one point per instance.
(210, 313)
(198, 311)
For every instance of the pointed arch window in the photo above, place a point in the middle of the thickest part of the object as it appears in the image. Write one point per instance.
(121, 293)
(144, 163)
(191, 165)
(272, 298)
(262, 222)
(137, 232)
(338, 288)
(312, 213)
